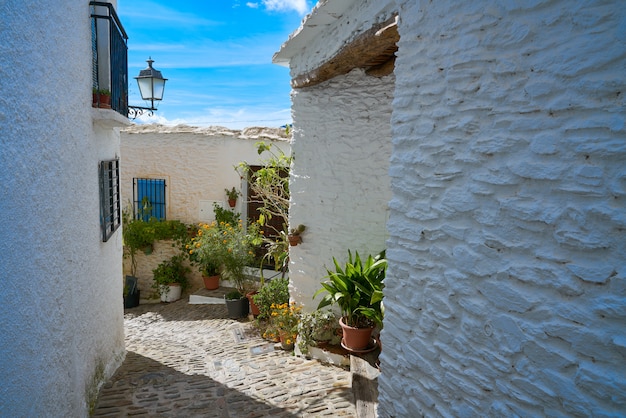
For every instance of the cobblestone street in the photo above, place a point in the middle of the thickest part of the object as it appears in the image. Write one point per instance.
(191, 361)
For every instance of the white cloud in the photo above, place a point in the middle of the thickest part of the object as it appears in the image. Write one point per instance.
(236, 118)
(299, 6)
(252, 5)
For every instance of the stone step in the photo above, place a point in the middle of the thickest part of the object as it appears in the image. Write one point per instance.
(209, 297)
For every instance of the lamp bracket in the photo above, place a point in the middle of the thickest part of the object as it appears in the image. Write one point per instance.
(135, 111)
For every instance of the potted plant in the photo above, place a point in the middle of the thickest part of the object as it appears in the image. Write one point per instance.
(205, 249)
(238, 252)
(232, 195)
(294, 235)
(284, 319)
(236, 304)
(358, 291)
(101, 98)
(275, 292)
(316, 328)
(131, 292)
(170, 278)
(231, 247)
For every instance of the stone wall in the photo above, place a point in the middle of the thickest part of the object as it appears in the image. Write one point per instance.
(339, 183)
(506, 289)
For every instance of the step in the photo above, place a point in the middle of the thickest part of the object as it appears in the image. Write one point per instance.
(209, 297)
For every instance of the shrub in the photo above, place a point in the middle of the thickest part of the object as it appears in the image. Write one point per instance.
(274, 292)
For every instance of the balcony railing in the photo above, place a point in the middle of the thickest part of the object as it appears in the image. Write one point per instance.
(109, 54)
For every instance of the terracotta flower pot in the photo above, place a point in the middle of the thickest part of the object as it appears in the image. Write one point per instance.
(355, 338)
(211, 282)
(254, 309)
(286, 341)
(294, 240)
(105, 101)
(232, 202)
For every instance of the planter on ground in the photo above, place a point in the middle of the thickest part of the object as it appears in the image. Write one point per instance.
(131, 292)
(254, 308)
(237, 305)
(211, 282)
(170, 293)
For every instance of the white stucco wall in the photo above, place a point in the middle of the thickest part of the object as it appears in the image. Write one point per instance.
(197, 164)
(506, 289)
(61, 300)
(339, 183)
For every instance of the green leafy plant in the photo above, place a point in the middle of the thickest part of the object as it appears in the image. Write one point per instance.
(225, 247)
(105, 92)
(232, 194)
(172, 271)
(270, 189)
(138, 234)
(233, 295)
(274, 292)
(315, 327)
(298, 230)
(357, 289)
(225, 216)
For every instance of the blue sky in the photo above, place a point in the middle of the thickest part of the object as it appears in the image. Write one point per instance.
(217, 57)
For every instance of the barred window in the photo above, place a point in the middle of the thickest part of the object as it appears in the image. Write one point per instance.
(149, 198)
(110, 212)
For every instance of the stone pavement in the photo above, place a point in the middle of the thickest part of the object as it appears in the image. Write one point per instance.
(192, 361)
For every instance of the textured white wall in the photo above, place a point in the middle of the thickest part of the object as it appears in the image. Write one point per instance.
(506, 291)
(198, 164)
(61, 299)
(339, 183)
(332, 31)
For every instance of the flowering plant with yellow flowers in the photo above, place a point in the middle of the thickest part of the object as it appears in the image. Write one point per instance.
(284, 319)
(226, 247)
(206, 249)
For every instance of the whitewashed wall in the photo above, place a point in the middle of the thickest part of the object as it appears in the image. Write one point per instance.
(61, 314)
(506, 291)
(197, 164)
(339, 183)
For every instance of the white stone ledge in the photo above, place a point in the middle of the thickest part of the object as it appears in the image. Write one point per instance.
(108, 118)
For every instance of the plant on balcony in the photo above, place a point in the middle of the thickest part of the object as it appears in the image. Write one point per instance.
(101, 98)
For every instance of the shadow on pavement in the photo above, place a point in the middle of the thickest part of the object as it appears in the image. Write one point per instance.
(144, 387)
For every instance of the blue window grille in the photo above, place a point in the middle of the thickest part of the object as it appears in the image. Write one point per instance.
(110, 212)
(149, 198)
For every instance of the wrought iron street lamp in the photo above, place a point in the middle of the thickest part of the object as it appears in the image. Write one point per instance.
(151, 85)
